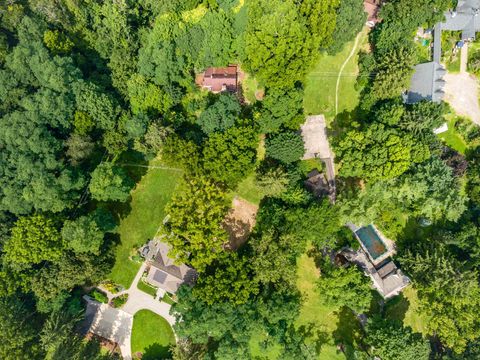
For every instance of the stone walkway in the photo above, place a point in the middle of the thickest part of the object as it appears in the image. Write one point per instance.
(120, 321)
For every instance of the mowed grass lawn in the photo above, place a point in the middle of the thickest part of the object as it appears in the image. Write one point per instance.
(405, 308)
(331, 325)
(142, 221)
(321, 82)
(152, 336)
(451, 137)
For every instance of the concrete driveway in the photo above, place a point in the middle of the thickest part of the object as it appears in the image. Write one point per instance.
(116, 324)
(461, 92)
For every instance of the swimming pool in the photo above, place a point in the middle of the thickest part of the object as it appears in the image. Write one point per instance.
(371, 241)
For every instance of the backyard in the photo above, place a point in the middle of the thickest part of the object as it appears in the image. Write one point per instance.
(333, 325)
(143, 219)
(152, 336)
(321, 82)
(451, 137)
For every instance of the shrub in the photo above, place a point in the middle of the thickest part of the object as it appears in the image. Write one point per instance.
(99, 296)
(119, 301)
(111, 286)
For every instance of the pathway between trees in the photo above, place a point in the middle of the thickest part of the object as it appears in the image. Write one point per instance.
(352, 53)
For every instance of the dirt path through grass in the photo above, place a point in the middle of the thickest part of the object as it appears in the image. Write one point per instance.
(352, 53)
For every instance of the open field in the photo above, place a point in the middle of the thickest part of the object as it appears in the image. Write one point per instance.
(142, 220)
(321, 82)
(151, 336)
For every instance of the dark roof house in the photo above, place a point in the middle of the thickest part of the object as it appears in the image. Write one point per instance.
(427, 83)
(163, 271)
(374, 258)
(219, 79)
(464, 18)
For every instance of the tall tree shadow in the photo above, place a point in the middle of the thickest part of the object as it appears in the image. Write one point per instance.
(349, 332)
(156, 352)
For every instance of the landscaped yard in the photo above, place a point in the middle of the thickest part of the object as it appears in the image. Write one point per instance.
(451, 137)
(321, 82)
(142, 221)
(150, 290)
(151, 335)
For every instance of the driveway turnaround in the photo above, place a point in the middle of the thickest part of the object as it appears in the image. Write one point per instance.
(116, 324)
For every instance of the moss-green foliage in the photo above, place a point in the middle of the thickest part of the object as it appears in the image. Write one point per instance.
(194, 230)
(34, 239)
(345, 286)
(221, 115)
(228, 157)
(110, 182)
(99, 296)
(391, 340)
(351, 17)
(57, 42)
(286, 147)
(283, 37)
(119, 301)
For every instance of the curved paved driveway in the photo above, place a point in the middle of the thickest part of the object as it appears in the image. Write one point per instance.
(137, 300)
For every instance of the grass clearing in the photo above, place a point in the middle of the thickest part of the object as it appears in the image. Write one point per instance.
(332, 325)
(321, 82)
(152, 336)
(142, 219)
(451, 137)
(405, 308)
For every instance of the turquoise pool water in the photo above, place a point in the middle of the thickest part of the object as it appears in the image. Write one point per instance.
(372, 242)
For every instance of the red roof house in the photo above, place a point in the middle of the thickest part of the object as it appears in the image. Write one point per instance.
(372, 7)
(218, 79)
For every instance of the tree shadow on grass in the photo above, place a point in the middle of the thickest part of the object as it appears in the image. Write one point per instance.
(157, 352)
(396, 308)
(312, 333)
(348, 333)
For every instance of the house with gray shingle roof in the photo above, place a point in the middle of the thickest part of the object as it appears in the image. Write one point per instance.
(163, 272)
(464, 18)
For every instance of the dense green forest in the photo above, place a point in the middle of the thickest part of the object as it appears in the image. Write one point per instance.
(87, 86)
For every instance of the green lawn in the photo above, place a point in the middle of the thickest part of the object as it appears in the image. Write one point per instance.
(151, 335)
(321, 82)
(142, 220)
(249, 191)
(451, 137)
(332, 325)
(405, 308)
(150, 290)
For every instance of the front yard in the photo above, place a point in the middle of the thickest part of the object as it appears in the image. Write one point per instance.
(152, 336)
